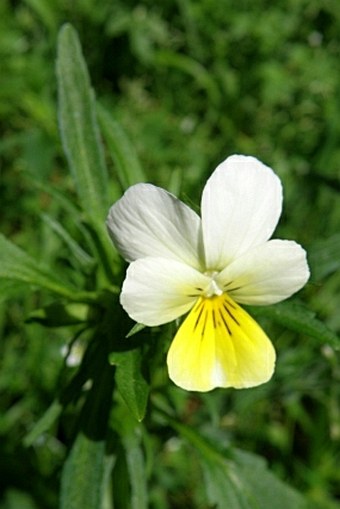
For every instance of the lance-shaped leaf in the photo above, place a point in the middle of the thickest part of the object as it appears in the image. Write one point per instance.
(84, 474)
(86, 469)
(131, 434)
(44, 423)
(78, 126)
(81, 257)
(81, 141)
(127, 165)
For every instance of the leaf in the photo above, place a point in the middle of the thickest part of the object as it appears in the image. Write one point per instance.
(223, 488)
(239, 480)
(244, 482)
(84, 259)
(137, 471)
(44, 423)
(78, 126)
(17, 265)
(83, 475)
(130, 380)
(86, 469)
(298, 318)
(81, 143)
(131, 435)
(135, 329)
(127, 165)
(268, 491)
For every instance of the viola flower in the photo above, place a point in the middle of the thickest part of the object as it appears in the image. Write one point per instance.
(207, 266)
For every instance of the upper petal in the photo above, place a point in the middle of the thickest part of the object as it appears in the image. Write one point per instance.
(241, 205)
(266, 274)
(149, 221)
(159, 290)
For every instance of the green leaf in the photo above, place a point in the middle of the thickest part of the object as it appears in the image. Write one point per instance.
(78, 126)
(131, 435)
(127, 165)
(82, 483)
(81, 142)
(86, 469)
(267, 490)
(298, 318)
(239, 480)
(130, 380)
(137, 471)
(244, 482)
(17, 265)
(135, 329)
(44, 423)
(85, 261)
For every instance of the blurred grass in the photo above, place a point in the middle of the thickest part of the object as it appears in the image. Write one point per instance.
(190, 83)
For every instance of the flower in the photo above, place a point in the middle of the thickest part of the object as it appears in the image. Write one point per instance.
(207, 266)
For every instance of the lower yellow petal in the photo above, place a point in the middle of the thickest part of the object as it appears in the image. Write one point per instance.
(220, 345)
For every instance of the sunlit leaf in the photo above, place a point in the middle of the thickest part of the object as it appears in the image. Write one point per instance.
(81, 141)
(78, 126)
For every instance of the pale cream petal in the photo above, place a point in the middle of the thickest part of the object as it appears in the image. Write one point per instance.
(149, 221)
(266, 274)
(241, 205)
(158, 290)
(220, 345)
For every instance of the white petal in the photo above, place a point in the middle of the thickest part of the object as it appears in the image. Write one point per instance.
(148, 221)
(266, 274)
(159, 290)
(241, 205)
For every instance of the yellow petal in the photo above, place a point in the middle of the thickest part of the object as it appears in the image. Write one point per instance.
(220, 345)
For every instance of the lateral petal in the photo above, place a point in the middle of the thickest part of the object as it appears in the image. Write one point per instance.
(149, 221)
(266, 274)
(241, 205)
(159, 290)
(220, 345)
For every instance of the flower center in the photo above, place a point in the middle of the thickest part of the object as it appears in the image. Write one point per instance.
(213, 288)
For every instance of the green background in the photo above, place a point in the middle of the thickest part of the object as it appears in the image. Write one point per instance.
(180, 86)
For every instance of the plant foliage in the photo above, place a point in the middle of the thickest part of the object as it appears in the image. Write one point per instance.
(89, 419)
